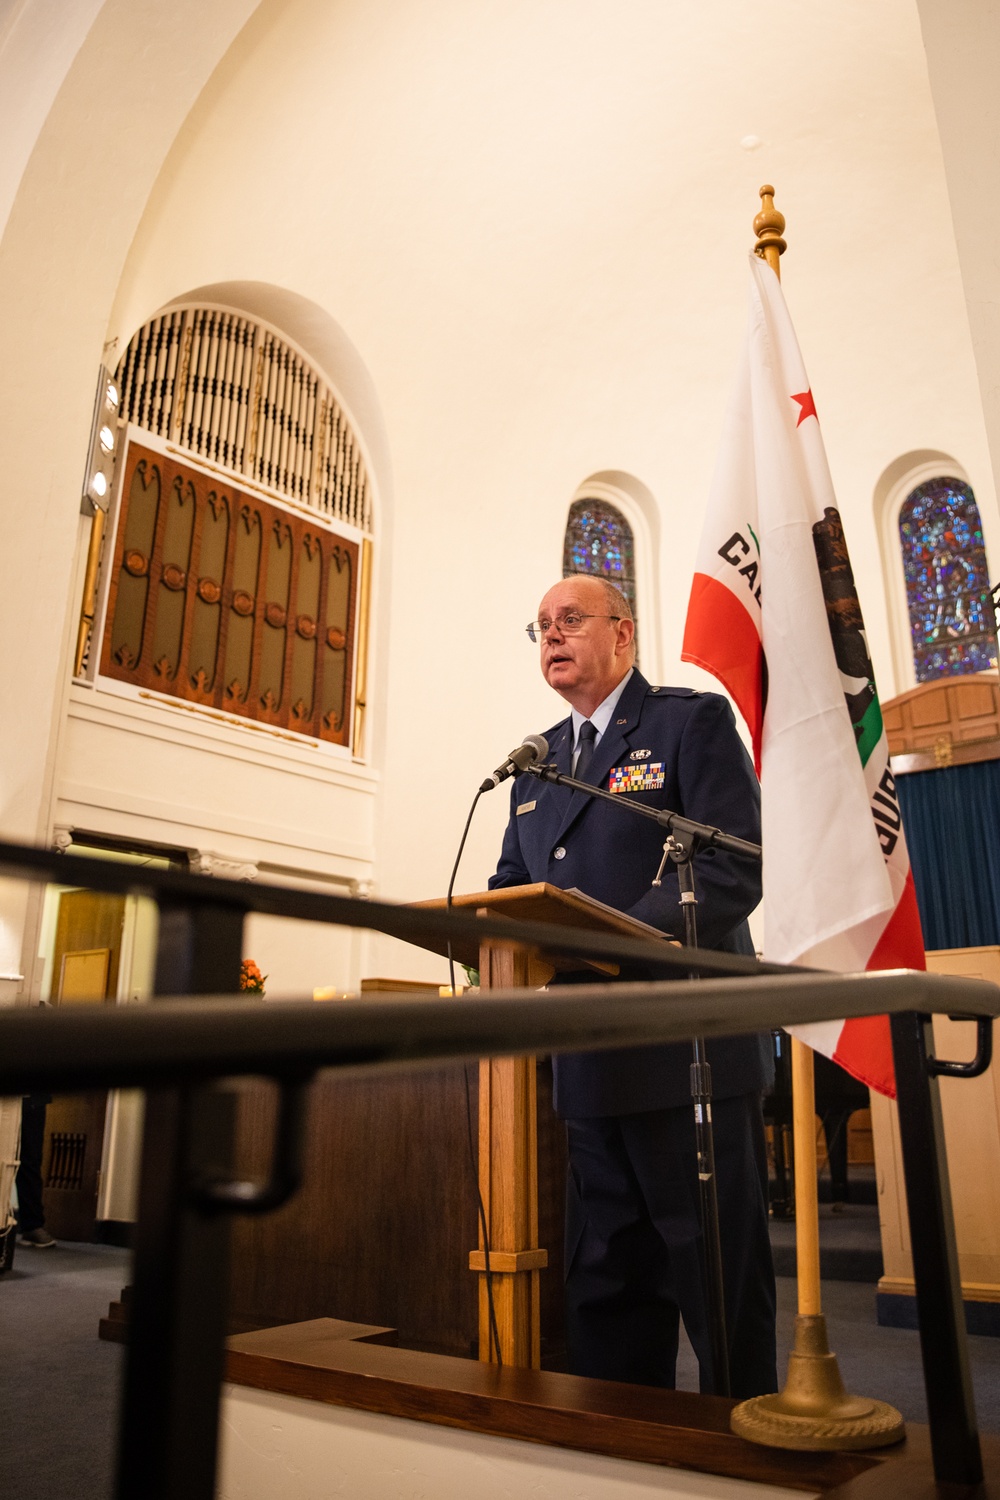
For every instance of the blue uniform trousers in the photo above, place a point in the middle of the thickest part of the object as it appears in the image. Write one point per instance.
(633, 1246)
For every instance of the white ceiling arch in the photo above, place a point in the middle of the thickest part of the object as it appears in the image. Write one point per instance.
(108, 103)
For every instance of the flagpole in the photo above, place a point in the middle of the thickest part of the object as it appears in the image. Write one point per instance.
(814, 1411)
(769, 226)
(806, 1174)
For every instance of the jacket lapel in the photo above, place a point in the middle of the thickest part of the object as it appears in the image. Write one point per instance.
(611, 746)
(561, 748)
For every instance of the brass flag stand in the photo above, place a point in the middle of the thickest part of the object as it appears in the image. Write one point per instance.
(814, 1411)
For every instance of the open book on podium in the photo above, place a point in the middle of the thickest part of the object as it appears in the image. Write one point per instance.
(508, 1155)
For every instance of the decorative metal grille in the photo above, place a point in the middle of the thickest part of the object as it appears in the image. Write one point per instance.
(232, 391)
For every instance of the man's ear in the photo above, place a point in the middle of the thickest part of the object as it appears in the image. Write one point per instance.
(626, 635)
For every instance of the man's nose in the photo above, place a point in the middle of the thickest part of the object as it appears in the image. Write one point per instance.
(553, 627)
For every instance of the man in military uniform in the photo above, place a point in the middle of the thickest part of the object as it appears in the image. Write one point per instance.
(633, 1239)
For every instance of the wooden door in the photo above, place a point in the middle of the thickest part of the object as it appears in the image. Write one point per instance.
(85, 972)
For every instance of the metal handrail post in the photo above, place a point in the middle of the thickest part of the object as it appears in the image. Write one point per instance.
(168, 1438)
(944, 1348)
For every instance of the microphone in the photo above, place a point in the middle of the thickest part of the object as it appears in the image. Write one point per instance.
(534, 748)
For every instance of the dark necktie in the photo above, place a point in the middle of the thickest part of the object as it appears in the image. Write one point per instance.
(588, 734)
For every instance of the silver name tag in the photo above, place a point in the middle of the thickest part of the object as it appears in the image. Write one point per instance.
(525, 807)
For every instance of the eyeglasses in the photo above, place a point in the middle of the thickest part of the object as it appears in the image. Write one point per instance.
(567, 624)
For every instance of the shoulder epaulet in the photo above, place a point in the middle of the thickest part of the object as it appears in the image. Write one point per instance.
(676, 692)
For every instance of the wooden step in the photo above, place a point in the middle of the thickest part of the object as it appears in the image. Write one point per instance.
(673, 1428)
(114, 1328)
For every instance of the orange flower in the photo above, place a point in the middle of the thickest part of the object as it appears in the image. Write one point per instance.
(251, 979)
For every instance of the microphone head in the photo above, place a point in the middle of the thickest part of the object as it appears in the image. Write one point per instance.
(540, 745)
(533, 748)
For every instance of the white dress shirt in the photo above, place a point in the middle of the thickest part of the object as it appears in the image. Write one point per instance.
(600, 718)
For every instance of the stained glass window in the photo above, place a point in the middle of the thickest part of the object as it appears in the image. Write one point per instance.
(947, 581)
(599, 541)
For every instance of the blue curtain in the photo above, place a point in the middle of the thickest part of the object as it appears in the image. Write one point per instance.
(952, 820)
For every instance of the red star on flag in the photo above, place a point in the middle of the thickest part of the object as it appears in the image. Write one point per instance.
(808, 406)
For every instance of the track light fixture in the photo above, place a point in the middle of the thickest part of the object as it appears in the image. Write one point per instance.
(104, 443)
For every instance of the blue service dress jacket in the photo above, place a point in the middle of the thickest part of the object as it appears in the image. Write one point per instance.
(667, 747)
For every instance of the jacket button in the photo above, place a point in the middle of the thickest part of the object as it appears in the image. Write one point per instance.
(559, 853)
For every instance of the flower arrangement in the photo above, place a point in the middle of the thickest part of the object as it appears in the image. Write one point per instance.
(251, 979)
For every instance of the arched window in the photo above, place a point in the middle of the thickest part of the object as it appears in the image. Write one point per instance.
(599, 541)
(947, 581)
(237, 552)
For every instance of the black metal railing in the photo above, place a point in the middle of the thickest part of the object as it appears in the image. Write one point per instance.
(176, 1049)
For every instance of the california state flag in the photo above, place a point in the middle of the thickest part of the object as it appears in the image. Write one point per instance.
(774, 614)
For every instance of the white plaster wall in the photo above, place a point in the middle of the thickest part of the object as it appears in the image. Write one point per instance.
(88, 173)
(38, 42)
(186, 780)
(159, 775)
(962, 38)
(529, 220)
(284, 1448)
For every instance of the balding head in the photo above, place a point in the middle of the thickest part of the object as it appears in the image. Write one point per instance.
(585, 665)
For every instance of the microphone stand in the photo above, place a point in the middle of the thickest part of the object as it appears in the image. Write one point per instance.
(684, 838)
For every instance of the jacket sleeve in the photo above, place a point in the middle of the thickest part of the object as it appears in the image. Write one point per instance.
(717, 786)
(511, 869)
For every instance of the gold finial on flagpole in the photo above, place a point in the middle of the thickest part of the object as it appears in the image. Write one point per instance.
(768, 226)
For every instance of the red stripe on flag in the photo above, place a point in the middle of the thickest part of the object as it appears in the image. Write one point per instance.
(901, 945)
(865, 1045)
(865, 1050)
(720, 636)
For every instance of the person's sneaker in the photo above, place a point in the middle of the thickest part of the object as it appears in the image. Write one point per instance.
(39, 1239)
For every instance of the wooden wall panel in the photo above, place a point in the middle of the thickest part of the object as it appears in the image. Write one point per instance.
(971, 1111)
(382, 1229)
(950, 711)
(213, 562)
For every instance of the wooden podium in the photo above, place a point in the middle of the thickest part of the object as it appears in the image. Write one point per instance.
(508, 1166)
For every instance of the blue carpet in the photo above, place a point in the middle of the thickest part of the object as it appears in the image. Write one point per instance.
(850, 1246)
(58, 1381)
